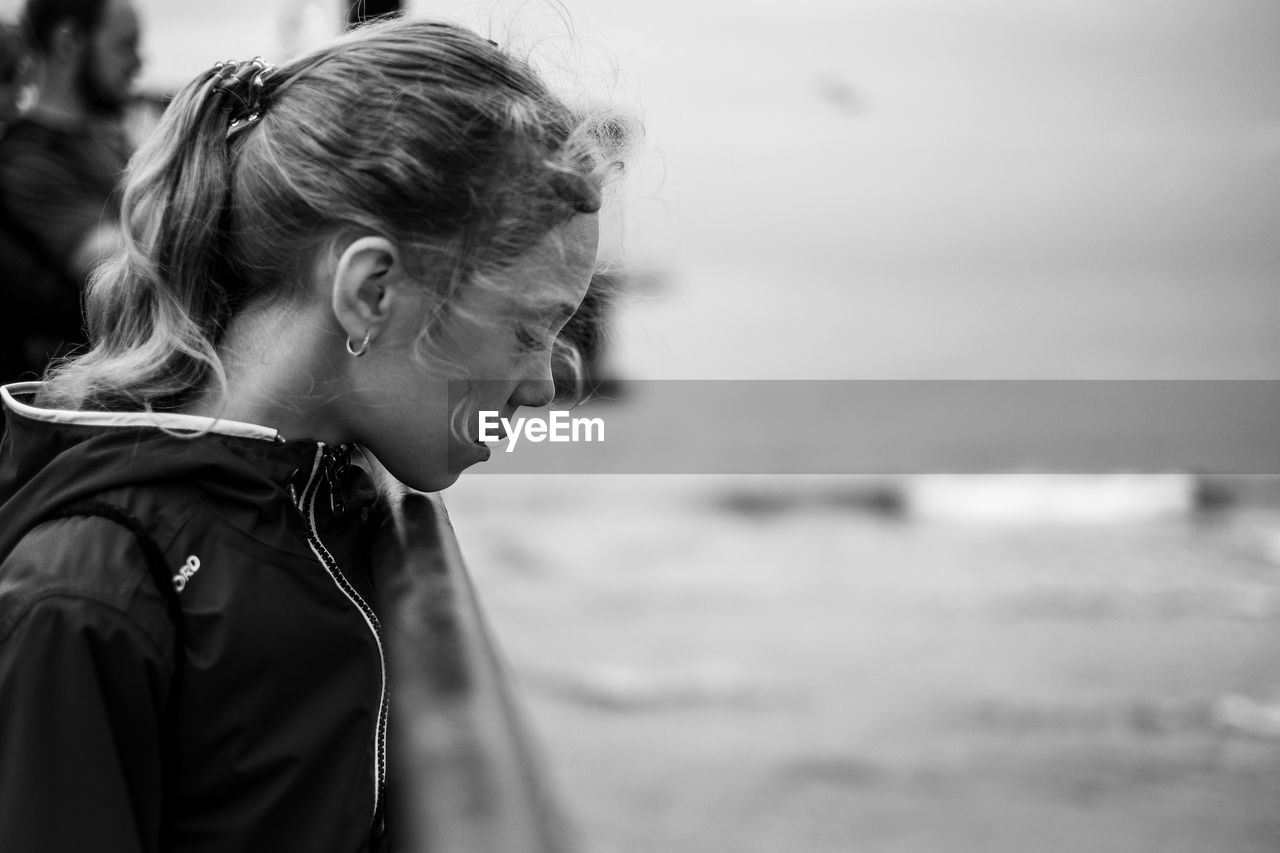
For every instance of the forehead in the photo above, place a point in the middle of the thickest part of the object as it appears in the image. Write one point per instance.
(553, 275)
(570, 248)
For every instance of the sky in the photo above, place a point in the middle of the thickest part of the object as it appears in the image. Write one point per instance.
(909, 189)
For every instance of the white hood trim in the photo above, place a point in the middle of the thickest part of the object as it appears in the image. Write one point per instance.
(160, 420)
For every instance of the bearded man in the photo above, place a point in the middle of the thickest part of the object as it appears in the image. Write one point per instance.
(60, 165)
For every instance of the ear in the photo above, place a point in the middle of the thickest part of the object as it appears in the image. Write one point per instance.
(363, 292)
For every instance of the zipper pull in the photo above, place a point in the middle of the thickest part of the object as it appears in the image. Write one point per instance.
(335, 471)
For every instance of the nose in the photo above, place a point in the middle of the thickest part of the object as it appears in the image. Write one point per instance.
(535, 391)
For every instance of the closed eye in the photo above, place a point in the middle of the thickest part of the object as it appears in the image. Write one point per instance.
(528, 339)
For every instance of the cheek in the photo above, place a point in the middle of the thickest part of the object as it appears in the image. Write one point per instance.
(113, 63)
(490, 395)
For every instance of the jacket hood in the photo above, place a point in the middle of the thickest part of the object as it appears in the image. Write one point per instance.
(50, 458)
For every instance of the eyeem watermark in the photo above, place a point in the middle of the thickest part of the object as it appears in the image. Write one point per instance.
(559, 427)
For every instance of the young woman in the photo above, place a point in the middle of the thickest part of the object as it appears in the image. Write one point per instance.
(360, 250)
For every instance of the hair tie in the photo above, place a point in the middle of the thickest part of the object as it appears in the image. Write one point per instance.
(240, 84)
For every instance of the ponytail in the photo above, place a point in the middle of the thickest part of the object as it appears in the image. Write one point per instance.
(157, 310)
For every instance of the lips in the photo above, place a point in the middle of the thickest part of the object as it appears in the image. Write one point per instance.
(494, 423)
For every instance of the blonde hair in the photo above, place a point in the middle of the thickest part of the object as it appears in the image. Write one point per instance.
(419, 131)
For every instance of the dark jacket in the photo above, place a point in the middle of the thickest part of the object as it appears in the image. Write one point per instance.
(269, 734)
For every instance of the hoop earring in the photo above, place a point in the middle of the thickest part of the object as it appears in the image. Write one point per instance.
(364, 345)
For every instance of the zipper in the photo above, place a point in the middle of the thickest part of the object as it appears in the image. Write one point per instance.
(307, 505)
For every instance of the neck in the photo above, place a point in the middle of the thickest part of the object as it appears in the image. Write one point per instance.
(278, 374)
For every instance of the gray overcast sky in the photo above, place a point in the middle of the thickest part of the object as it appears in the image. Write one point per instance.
(914, 187)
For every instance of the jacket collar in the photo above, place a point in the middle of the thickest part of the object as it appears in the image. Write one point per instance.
(193, 424)
(53, 457)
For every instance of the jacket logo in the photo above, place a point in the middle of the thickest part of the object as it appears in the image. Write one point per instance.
(189, 568)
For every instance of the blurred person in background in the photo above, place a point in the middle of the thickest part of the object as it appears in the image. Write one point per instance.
(60, 164)
(41, 307)
(14, 72)
(332, 267)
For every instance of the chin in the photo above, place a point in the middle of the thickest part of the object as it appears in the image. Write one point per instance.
(432, 470)
(424, 481)
(434, 480)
